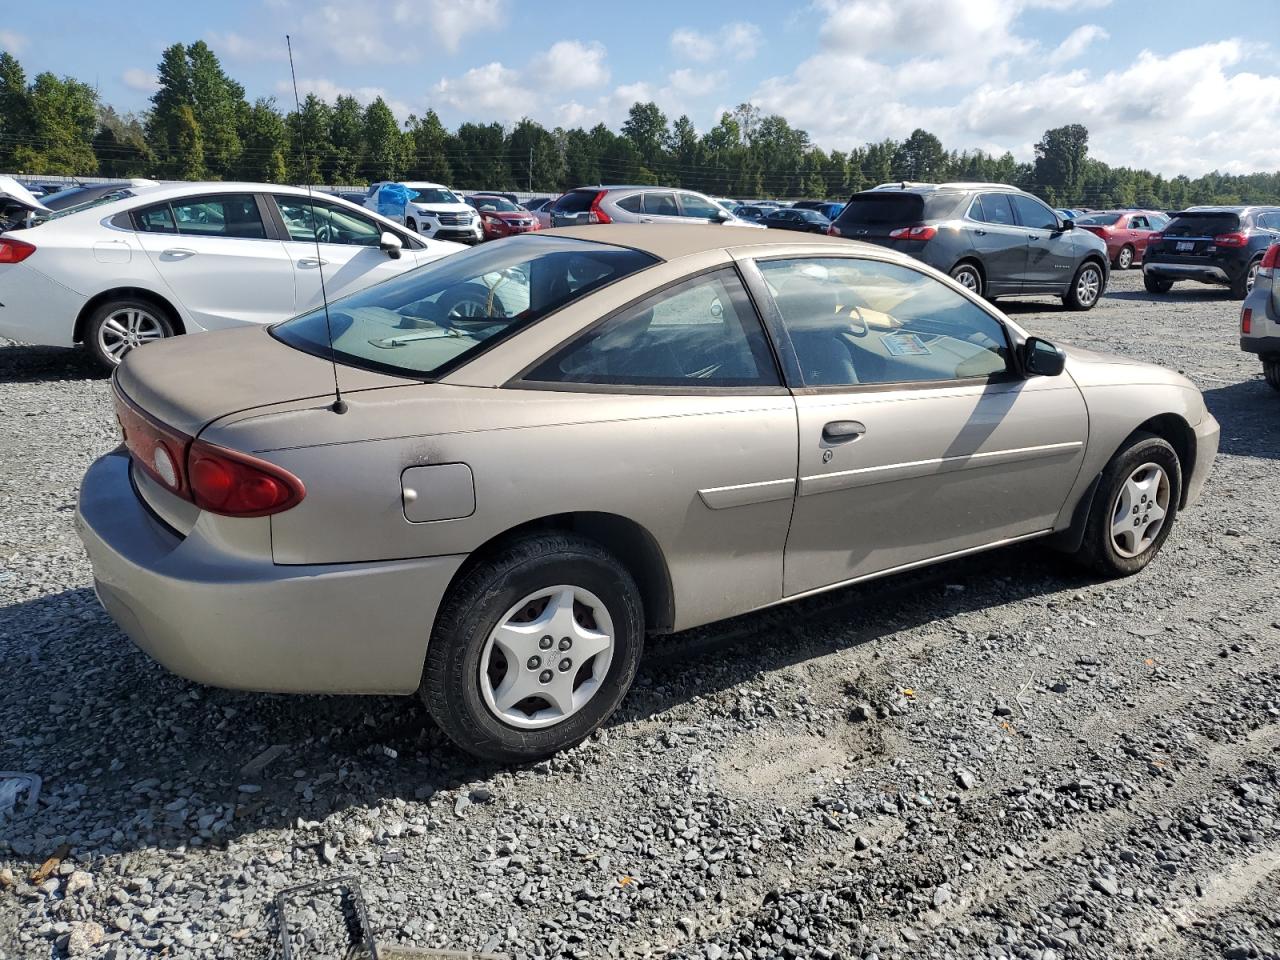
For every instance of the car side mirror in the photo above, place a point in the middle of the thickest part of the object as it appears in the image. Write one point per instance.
(1068, 224)
(390, 244)
(724, 216)
(1040, 358)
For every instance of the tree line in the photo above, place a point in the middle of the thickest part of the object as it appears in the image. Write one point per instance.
(201, 126)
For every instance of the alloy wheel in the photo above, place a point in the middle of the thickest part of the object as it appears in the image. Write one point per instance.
(1088, 286)
(126, 329)
(547, 657)
(1139, 510)
(1251, 277)
(968, 278)
(1125, 260)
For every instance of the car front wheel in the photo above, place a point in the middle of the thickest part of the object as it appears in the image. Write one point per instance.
(120, 326)
(1086, 288)
(1133, 508)
(533, 649)
(1271, 371)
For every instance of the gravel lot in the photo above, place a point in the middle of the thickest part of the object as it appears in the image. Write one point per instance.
(998, 758)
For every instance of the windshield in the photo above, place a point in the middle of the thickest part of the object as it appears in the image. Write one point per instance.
(436, 317)
(1099, 220)
(495, 203)
(432, 195)
(87, 204)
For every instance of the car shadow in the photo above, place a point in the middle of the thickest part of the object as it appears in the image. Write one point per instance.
(1249, 414)
(120, 738)
(20, 363)
(1177, 295)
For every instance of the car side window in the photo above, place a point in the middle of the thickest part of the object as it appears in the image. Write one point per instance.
(233, 215)
(632, 203)
(661, 204)
(1033, 214)
(695, 206)
(1139, 223)
(703, 332)
(309, 221)
(854, 322)
(157, 219)
(993, 208)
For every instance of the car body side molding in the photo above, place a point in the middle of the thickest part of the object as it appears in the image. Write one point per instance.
(742, 494)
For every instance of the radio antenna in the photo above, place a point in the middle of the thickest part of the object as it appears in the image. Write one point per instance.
(339, 405)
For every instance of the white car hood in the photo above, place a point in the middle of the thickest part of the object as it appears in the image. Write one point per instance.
(11, 189)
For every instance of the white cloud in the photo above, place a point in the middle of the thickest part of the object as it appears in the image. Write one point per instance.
(12, 41)
(571, 65)
(491, 91)
(449, 21)
(739, 40)
(691, 83)
(1077, 42)
(144, 81)
(236, 46)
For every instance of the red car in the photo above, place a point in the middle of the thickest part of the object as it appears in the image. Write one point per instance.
(501, 218)
(1126, 232)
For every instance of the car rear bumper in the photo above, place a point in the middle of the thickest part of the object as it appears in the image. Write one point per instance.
(37, 309)
(1205, 273)
(1263, 346)
(216, 616)
(1207, 435)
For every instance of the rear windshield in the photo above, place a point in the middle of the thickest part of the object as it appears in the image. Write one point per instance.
(575, 201)
(436, 317)
(879, 209)
(1202, 224)
(1099, 220)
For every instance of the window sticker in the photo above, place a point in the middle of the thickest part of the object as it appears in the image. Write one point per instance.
(904, 345)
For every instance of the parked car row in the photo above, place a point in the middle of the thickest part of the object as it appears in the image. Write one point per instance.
(639, 204)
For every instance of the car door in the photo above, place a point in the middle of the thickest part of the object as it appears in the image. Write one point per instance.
(660, 206)
(686, 401)
(1139, 228)
(697, 209)
(1001, 244)
(917, 438)
(215, 253)
(348, 249)
(1051, 252)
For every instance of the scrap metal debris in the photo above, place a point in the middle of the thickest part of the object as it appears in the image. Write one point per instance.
(13, 783)
(42, 873)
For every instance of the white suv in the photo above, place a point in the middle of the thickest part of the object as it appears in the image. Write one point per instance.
(433, 211)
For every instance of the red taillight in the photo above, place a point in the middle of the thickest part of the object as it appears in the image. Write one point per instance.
(1231, 240)
(158, 450)
(15, 251)
(238, 485)
(914, 233)
(597, 215)
(833, 230)
(1155, 236)
(1270, 261)
(1246, 320)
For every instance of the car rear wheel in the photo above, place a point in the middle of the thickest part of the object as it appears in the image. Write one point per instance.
(533, 649)
(120, 326)
(1133, 508)
(1157, 284)
(1086, 288)
(1124, 259)
(1242, 285)
(1271, 371)
(968, 276)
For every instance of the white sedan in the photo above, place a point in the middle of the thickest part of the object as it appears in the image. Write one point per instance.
(190, 257)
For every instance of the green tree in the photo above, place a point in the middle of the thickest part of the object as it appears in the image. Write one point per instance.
(427, 149)
(1060, 163)
(64, 118)
(535, 159)
(308, 130)
(686, 154)
(121, 145)
(481, 160)
(921, 157)
(188, 146)
(165, 124)
(265, 144)
(383, 149)
(217, 102)
(15, 109)
(345, 142)
(646, 128)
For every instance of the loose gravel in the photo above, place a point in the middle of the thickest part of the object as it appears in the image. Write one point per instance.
(1000, 757)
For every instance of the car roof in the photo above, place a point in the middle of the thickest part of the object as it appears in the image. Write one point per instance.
(673, 241)
(908, 186)
(1229, 208)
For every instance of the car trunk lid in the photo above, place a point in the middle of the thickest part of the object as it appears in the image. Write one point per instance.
(1192, 234)
(188, 382)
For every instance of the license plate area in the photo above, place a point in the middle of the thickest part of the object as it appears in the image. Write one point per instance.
(1185, 246)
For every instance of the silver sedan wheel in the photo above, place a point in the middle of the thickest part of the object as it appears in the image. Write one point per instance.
(1088, 286)
(1139, 511)
(1125, 260)
(968, 278)
(127, 328)
(547, 657)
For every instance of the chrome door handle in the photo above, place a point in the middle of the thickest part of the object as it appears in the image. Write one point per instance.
(843, 431)
(178, 253)
(312, 262)
(981, 233)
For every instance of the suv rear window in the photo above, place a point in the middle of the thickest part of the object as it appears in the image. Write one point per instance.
(575, 201)
(880, 209)
(1207, 224)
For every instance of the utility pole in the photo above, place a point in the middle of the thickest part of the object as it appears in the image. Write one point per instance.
(531, 168)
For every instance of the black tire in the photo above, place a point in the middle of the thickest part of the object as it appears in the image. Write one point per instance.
(1156, 284)
(412, 225)
(451, 685)
(1271, 373)
(1098, 551)
(152, 318)
(1082, 295)
(1124, 259)
(1242, 284)
(967, 274)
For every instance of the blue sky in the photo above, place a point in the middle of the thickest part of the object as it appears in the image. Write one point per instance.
(1163, 86)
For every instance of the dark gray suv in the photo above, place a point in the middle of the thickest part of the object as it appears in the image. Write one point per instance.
(994, 239)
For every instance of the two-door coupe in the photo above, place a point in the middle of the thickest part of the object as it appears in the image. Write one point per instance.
(553, 444)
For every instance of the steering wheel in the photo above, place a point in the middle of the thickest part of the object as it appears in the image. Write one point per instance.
(861, 321)
(324, 231)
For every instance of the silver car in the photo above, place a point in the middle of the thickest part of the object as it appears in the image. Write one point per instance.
(1260, 316)
(638, 204)
(552, 445)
